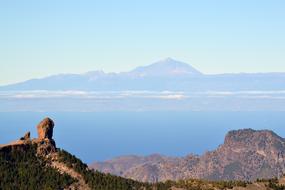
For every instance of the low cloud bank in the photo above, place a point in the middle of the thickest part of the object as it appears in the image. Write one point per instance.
(171, 95)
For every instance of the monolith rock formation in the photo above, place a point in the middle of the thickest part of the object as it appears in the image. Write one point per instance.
(46, 144)
(37, 164)
(45, 129)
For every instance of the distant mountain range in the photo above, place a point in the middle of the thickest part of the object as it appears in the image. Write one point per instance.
(245, 155)
(167, 74)
(165, 85)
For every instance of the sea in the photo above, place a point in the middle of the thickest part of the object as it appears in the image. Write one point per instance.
(99, 136)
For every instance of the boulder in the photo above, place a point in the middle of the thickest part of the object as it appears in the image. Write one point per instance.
(45, 129)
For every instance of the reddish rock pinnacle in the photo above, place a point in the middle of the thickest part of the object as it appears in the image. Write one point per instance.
(45, 129)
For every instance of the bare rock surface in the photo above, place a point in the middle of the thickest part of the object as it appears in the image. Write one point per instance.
(45, 143)
(26, 137)
(45, 129)
(46, 148)
(246, 154)
(63, 168)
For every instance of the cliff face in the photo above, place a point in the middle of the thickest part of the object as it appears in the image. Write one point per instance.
(37, 164)
(45, 129)
(43, 163)
(45, 143)
(245, 155)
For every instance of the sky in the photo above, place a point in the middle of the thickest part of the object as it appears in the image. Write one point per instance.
(40, 38)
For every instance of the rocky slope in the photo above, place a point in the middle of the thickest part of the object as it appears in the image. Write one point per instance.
(44, 150)
(245, 155)
(38, 164)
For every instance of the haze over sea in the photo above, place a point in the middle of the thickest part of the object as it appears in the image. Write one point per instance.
(103, 135)
(167, 107)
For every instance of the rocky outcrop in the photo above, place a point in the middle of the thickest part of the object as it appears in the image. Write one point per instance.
(45, 149)
(152, 168)
(245, 155)
(45, 129)
(45, 143)
(26, 137)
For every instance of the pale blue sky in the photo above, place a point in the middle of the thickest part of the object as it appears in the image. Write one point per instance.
(39, 38)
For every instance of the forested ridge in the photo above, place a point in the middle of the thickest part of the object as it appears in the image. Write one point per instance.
(21, 168)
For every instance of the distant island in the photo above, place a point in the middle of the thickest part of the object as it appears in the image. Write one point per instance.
(164, 85)
(165, 75)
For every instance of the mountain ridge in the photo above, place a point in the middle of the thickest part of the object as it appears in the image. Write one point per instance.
(245, 155)
(168, 74)
(38, 164)
(165, 67)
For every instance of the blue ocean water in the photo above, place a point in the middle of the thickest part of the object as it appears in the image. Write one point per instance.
(103, 135)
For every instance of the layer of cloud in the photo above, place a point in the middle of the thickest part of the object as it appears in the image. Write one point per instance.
(165, 95)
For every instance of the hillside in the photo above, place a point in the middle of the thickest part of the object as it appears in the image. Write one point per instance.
(245, 155)
(39, 165)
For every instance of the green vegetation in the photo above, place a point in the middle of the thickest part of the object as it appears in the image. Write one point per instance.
(195, 184)
(20, 168)
(272, 183)
(97, 180)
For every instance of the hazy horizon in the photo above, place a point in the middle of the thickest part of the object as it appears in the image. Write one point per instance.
(167, 64)
(145, 65)
(44, 38)
(189, 94)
